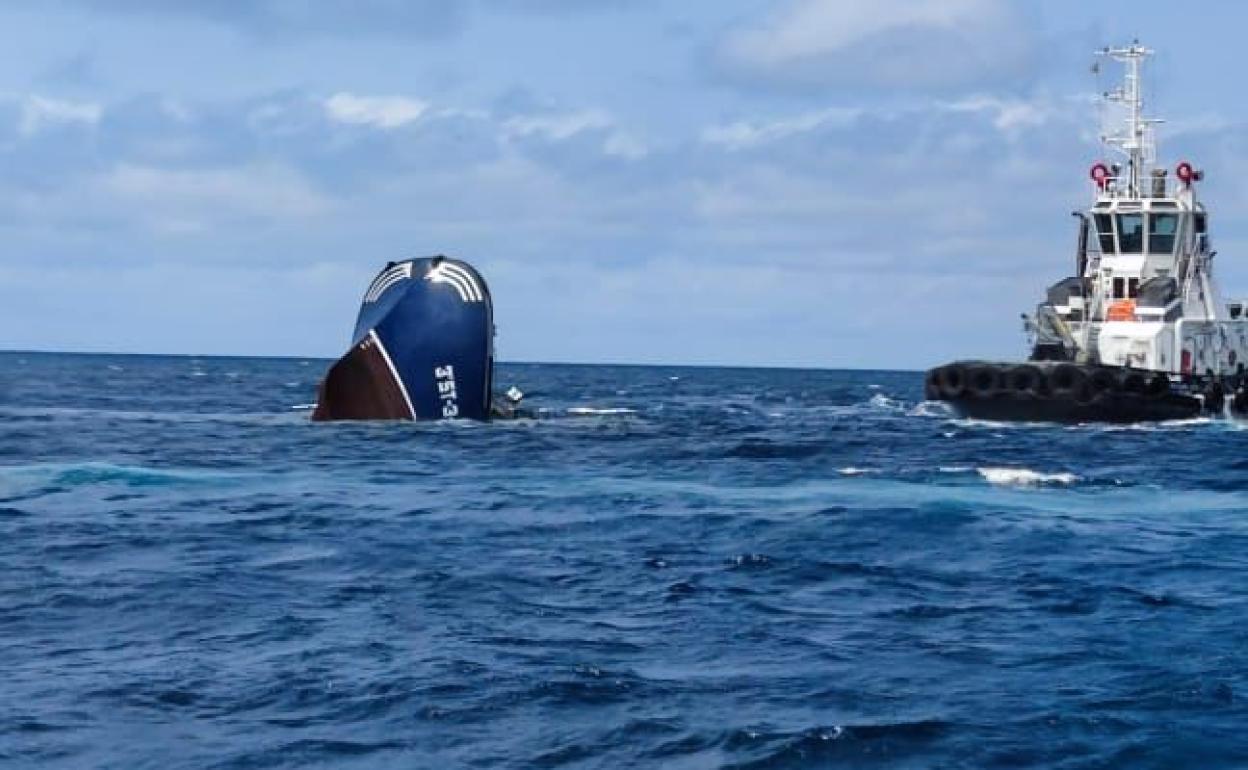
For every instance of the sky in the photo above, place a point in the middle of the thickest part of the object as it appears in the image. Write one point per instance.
(822, 183)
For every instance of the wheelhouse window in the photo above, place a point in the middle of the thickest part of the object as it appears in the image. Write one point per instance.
(1133, 288)
(1161, 232)
(1105, 233)
(1119, 286)
(1131, 233)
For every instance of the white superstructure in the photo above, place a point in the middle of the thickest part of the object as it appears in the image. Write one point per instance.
(1145, 295)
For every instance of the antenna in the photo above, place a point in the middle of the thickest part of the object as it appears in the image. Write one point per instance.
(1136, 140)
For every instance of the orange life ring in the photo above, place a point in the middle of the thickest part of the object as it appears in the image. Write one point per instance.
(1122, 310)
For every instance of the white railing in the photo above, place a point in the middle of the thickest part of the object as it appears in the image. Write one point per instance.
(1115, 188)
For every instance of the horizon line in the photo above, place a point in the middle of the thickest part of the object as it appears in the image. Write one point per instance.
(790, 367)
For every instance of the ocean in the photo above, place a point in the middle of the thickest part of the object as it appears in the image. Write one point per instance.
(671, 568)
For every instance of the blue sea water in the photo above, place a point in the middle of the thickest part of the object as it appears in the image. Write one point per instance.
(673, 568)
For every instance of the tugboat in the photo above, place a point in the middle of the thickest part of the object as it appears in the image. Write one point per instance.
(1140, 332)
(423, 349)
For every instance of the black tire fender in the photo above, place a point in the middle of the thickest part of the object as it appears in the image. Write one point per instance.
(983, 381)
(1103, 381)
(952, 381)
(1024, 380)
(1158, 386)
(1133, 383)
(1070, 381)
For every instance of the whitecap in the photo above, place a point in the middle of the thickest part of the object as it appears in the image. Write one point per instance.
(1025, 477)
(852, 471)
(932, 409)
(589, 411)
(881, 401)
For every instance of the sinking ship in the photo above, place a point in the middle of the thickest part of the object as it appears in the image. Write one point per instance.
(1141, 331)
(423, 349)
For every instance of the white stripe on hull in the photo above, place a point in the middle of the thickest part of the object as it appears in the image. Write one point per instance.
(464, 283)
(386, 280)
(385, 354)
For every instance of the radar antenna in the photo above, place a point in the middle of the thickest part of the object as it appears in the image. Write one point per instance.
(1136, 139)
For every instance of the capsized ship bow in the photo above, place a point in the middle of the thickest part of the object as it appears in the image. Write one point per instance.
(423, 347)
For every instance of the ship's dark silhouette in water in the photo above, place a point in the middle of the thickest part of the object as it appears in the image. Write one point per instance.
(423, 349)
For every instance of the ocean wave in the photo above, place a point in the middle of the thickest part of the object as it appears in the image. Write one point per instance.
(95, 416)
(1025, 477)
(881, 401)
(764, 449)
(932, 409)
(591, 411)
(610, 591)
(831, 743)
(71, 475)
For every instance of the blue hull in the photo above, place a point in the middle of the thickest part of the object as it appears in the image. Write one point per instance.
(423, 348)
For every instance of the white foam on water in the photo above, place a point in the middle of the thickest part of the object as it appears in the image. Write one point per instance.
(852, 471)
(589, 411)
(931, 409)
(881, 401)
(972, 422)
(1025, 477)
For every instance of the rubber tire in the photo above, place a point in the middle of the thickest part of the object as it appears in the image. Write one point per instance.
(1103, 381)
(1133, 383)
(952, 381)
(1158, 386)
(983, 381)
(1070, 381)
(1024, 380)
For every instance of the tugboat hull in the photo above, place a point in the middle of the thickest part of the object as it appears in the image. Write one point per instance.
(1067, 393)
(422, 348)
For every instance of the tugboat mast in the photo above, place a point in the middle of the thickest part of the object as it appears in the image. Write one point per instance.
(1137, 141)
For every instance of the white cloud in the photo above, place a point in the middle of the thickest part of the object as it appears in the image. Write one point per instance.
(624, 145)
(744, 134)
(1007, 114)
(899, 43)
(39, 112)
(815, 27)
(190, 200)
(556, 126)
(385, 112)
